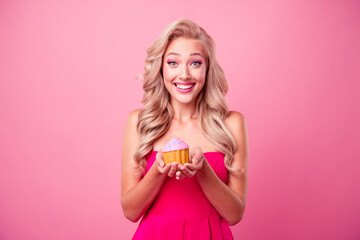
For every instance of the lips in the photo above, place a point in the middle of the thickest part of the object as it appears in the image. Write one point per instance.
(184, 87)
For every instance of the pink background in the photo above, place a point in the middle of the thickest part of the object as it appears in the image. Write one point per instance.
(67, 72)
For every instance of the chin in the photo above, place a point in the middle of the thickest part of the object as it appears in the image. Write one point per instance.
(184, 101)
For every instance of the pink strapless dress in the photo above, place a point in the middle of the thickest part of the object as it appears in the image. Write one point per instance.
(182, 211)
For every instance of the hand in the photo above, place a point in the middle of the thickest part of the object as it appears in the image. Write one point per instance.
(162, 168)
(169, 169)
(196, 162)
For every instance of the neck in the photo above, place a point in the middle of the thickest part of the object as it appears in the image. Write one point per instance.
(184, 112)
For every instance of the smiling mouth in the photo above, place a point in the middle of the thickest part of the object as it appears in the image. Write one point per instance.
(184, 86)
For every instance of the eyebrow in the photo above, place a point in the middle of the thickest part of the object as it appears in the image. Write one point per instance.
(192, 54)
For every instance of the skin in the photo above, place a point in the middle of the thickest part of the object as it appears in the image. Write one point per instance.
(186, 66)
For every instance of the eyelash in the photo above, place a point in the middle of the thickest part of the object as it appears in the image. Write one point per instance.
(198, 63)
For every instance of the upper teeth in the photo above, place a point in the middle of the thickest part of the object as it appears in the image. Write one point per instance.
(184, 86)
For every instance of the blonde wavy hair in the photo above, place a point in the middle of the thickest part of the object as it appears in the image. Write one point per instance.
(155, 117)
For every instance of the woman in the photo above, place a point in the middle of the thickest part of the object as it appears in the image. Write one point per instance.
(184, 89)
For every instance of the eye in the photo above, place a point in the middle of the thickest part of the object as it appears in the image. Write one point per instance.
(171, 63)
(196, 63)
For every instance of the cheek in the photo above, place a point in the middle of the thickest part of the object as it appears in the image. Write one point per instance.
(168, 73)
(200, 75)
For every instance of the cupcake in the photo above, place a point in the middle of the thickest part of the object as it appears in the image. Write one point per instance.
(176, 150)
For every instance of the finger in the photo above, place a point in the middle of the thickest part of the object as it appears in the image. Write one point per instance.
(196, 155)
(174, 167)
(165, 169)
(160, 169)
(187, 172)
(195, 150)
(161, 163)
(159, 158)
(159, 155)
(191, 166)
(179, 175)
(195, 159)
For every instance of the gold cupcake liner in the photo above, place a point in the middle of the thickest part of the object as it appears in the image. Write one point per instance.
(180, 156)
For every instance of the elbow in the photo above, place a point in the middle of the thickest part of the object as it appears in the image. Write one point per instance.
(131, 215)
(132, 218)
(236, 218)
(234, 221)
(238, 214)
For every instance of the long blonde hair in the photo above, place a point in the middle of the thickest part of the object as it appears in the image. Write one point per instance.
(155, 118)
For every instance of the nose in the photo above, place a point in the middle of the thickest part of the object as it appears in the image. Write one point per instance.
(184, 74)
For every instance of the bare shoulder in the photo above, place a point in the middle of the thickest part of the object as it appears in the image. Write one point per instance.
(235, 121)
(233, 116)
(236, 124)
(131, 138)
(132, 120)
(133, 115)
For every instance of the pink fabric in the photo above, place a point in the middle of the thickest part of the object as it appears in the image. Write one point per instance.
(182, 211)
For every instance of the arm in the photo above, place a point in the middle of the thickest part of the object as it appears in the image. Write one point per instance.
(137, 194)
(229, 200)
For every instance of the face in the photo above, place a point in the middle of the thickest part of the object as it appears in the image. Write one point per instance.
(184, 69)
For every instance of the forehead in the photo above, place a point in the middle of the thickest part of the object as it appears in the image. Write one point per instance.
(185, 47)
